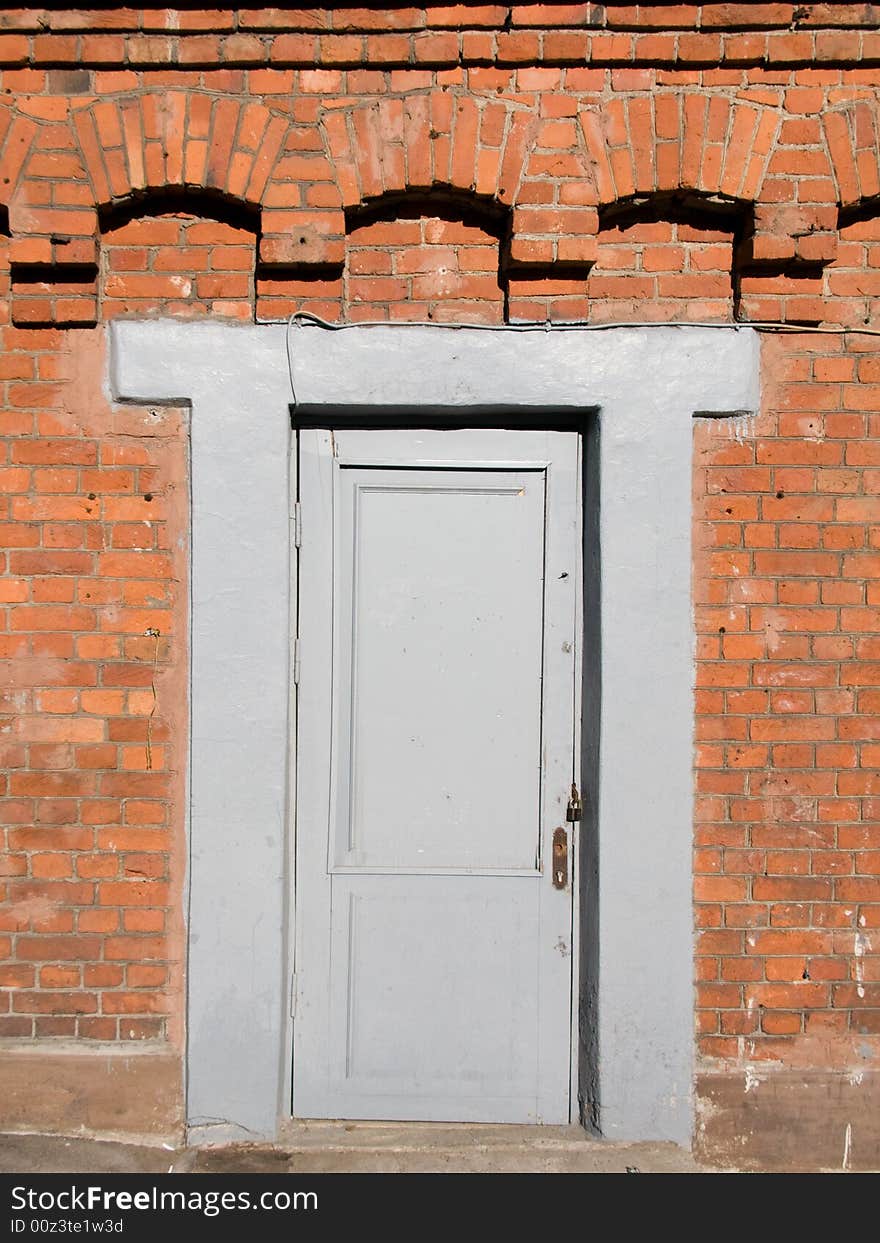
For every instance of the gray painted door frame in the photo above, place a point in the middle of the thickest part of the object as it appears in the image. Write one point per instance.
(647, 384)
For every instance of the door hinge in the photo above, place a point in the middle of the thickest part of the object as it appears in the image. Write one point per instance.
(297, 524)
(293, 984)
(296, 662)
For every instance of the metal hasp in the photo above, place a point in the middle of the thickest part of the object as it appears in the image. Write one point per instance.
(560, 859)
(574, 810)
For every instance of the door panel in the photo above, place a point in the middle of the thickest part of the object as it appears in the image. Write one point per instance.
(411, 1031)
(435, 726)
(439, 580)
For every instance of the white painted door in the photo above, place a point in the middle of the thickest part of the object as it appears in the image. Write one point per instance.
(436, 720)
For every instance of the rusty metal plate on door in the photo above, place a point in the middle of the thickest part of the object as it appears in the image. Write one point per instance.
(560, 859)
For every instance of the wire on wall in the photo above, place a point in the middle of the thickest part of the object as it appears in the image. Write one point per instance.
(301, 318)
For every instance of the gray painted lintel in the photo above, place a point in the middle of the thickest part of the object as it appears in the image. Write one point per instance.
(647, 383)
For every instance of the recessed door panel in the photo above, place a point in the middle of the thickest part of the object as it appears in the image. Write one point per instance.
(436, 712)
(401, 1012)
(438, 740)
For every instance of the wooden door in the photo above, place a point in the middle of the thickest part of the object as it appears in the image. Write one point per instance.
(436, 710)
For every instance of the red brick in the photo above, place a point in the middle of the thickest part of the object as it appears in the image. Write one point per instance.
(47, 949)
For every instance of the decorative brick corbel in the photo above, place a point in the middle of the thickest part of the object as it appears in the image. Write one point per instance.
(791, 235)
(302, 239)
(54, 277)
(795, 219)
(546, 237)
(555, 216)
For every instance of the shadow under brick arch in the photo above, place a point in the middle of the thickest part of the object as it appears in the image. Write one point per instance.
(676, 251)
(177, 252)
(447, 142)
(427, 256)
(660, 256)
(722, 147)
(4, 265)
(851, 285)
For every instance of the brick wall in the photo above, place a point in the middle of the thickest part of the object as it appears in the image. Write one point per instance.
(787, 863)
(175, 263)
(477, 163)
(421, 266)
(92, 602)
(676, 265)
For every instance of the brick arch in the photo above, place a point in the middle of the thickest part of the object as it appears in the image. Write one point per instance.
(676, 142)
(647, 144)
(132, 144)
(16, 138)
(235, 148)
(415, 143)
(673, 142)
(442, 141)
(852, 135)
(127, 148)
(636, 145)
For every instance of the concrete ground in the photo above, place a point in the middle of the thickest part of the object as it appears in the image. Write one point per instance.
(355, 1147)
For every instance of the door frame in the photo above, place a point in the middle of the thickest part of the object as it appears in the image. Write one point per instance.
(647, 384)
(570, 421)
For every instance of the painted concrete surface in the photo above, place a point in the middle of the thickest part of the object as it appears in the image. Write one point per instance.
(407, 367)
(646, 385)
(325, 1148)
(239, 391)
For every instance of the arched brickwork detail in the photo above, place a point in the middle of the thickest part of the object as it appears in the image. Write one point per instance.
(645, 144)
(853, 138)
(470, 145)
(240, 150)
(635, 146)
(236, 148)
(16, 138)
(393, 145)
(131, 146)
(556, 174)
(179, 139)
(738, 150)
